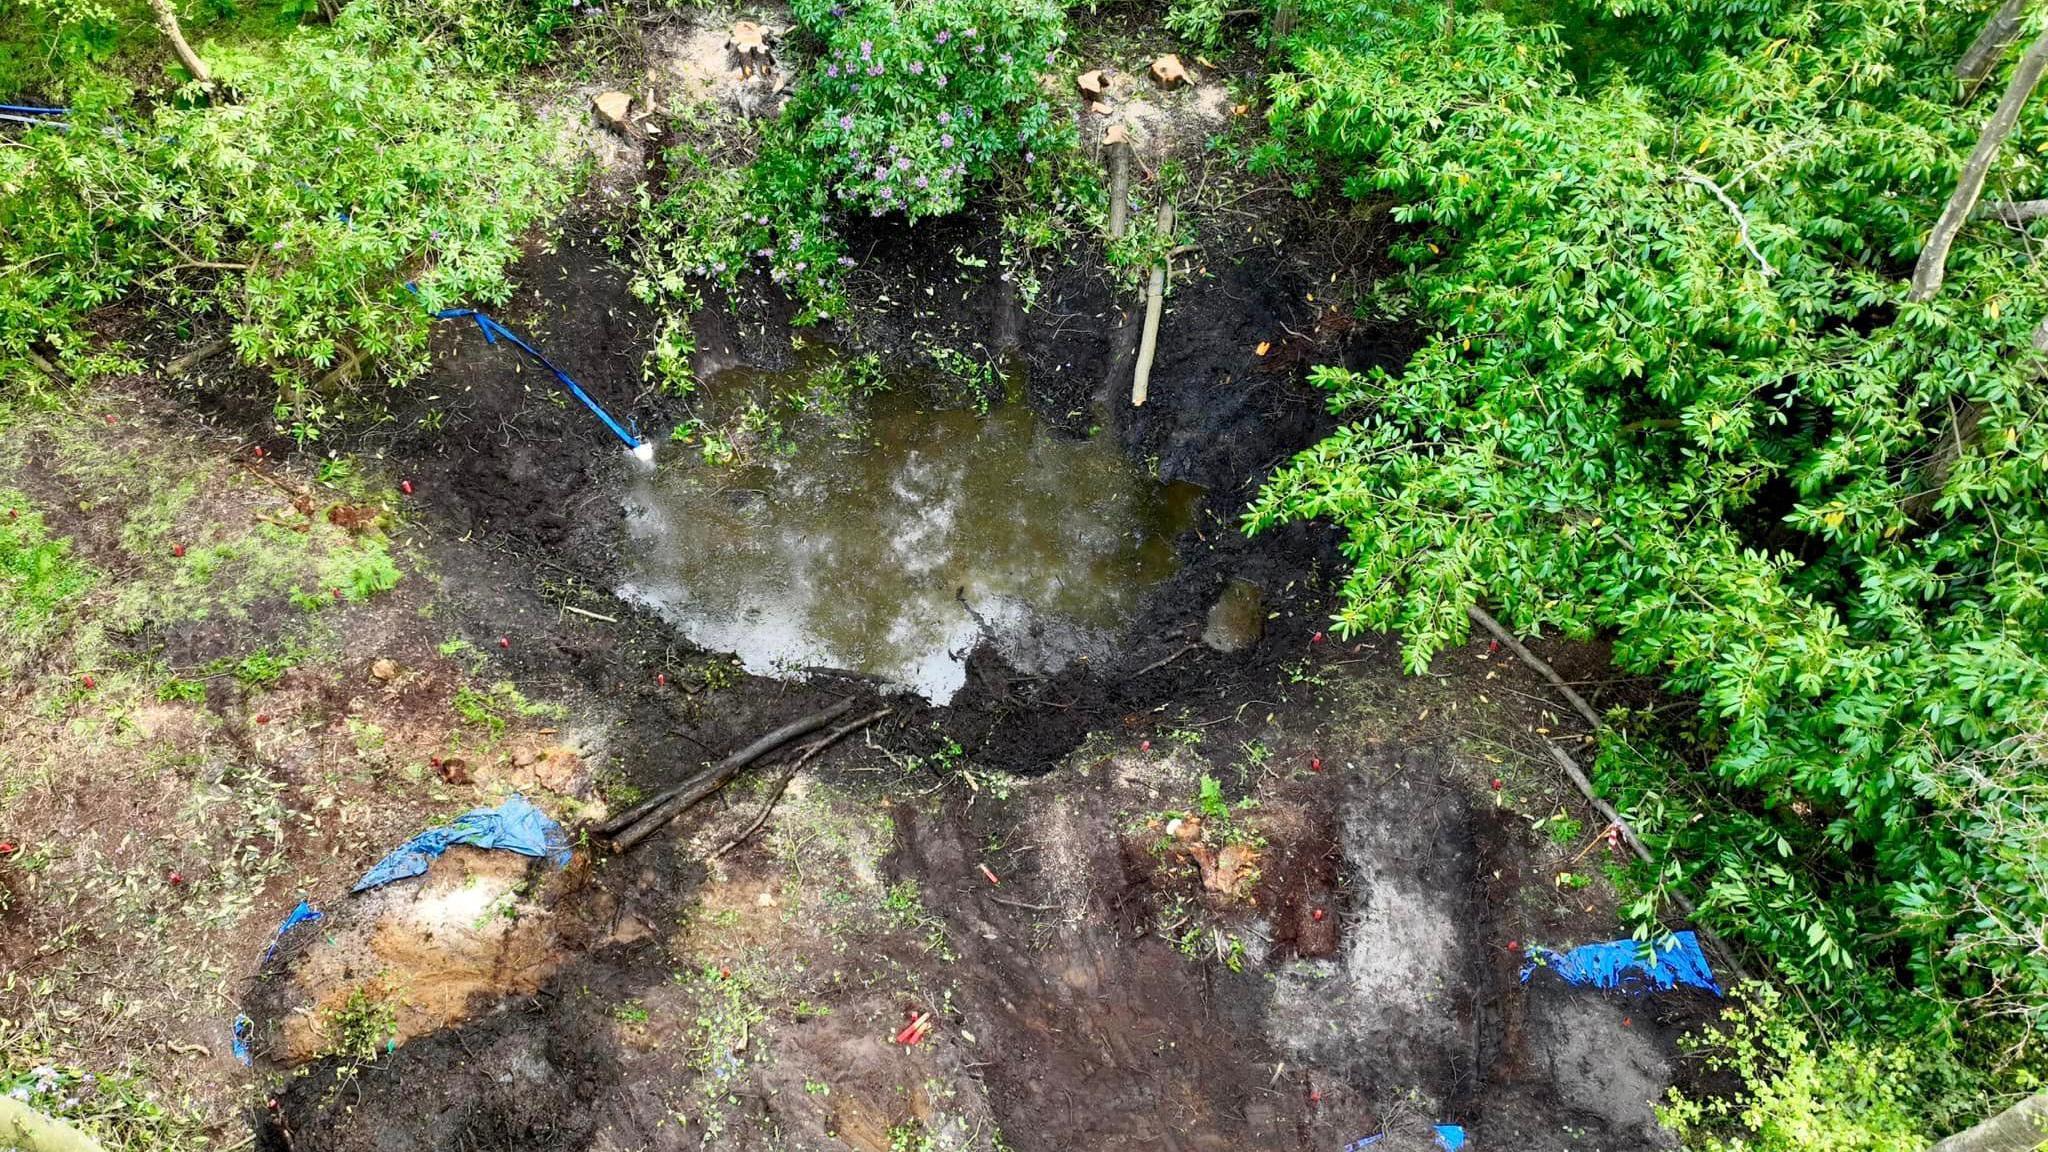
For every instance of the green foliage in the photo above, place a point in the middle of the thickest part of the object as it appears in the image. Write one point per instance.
(914, 102)
(119, 1111)
(40, 581)
(348, 163)
(1847, 1098)
(1197, 21)
(1814, 506)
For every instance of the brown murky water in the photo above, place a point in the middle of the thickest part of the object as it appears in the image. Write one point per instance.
(896, 552)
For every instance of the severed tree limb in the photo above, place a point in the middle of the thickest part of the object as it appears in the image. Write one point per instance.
(2020, 1128)
(192, 359)
(1507, 639)
(1933, 264)
(1991, 43)
(637, 823)
(1584, 784)
(1119, 188)
(1155, 303)
(1741, 221)
(2011, 211)
(167, 23)
(788, 774)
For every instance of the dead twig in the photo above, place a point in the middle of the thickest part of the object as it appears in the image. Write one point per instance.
(810, 750)
(1485, 620)
(1741, 221)
(641, 821)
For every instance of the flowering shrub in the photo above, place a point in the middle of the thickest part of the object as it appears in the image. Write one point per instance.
(910, 104)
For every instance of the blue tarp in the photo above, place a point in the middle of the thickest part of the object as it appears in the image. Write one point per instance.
(515, 826)
(1624, 964)
(1449, 1137)
(305, 913)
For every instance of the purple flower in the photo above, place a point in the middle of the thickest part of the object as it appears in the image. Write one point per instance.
(875, 70)
(1007, 58)
(867, 49)
(977, 49)
(839, 11)
(888, 193)
(846, 261)
(942, 81)
(917, 67)
(943, 36)
(1048, 59)
(846, 123)
(903, 161)
(969, 33)
(881, 173)
(946, 140)
(832, 71)
(945, 118)
(923, 182)
(1031, 157)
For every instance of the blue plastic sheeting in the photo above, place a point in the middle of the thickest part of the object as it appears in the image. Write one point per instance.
(304, 914)
(493, 330)
(1449, 1137)
(514, 826)
(1623, 964)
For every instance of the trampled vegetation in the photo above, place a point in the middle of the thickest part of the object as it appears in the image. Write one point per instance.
(1721, 358)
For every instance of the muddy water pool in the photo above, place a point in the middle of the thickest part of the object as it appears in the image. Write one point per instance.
(895, 548)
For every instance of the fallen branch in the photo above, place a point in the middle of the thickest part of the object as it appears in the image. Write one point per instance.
(588, 614)
(642, 820)
(1163, 661)
(1481, 617)
(788, 774)
(1735, 210)
(1155, 303)
(2011, 211)
(195, 357)
(1579, 779)
(2020, 1128)
(1933, 264)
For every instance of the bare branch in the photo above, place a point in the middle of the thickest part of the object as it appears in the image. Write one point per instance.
(1741, 221)
(1933, 265)
(1991, 43)
(2011, 211)
(167, 23)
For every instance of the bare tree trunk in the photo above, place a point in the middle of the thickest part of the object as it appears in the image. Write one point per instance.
(1119, 188)
(1991, 43)
(167, 23)
(1933, 265)
(2020, 1128)
(1155, 295)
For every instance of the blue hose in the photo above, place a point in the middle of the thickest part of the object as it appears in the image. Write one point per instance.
(33, 110)
(492, 330)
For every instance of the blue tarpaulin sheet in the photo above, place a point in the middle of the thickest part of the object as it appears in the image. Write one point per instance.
(514, 826)
(305, 913)
(1449, 1137)
(1628, 965)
